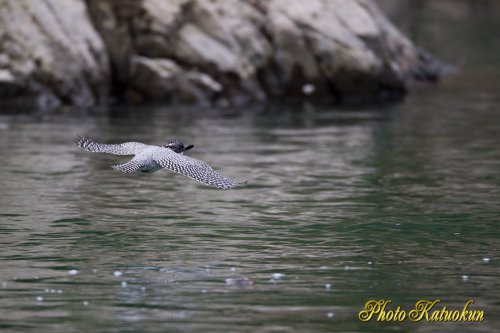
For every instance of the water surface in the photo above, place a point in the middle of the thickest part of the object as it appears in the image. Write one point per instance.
(398, 202)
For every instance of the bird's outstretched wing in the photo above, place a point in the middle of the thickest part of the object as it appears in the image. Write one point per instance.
(193, 168)
(127, 148)
(131, 166)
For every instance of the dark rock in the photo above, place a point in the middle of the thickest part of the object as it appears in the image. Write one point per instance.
(51, 54)
(194, 51)
(163, 79)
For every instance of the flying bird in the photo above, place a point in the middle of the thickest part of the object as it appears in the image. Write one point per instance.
(149, 159)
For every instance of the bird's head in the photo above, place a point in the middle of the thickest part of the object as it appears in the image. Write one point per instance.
(178, 146)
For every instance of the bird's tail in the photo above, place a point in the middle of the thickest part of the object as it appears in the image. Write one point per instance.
(84, 142)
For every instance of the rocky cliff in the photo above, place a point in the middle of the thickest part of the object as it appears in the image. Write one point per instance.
(79, 52)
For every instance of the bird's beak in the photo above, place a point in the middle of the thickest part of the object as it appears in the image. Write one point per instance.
(189, 147)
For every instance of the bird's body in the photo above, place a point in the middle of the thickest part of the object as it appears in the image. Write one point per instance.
(144, 161)
(149, 159)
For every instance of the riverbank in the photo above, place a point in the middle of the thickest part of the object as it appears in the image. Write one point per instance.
(83, 53)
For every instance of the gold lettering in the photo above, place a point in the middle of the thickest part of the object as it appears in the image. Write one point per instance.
(382, 314)
(477, 315)
(372, 307)
(422, 309)
(448, 316)
(400, 314)
(435, 316)
(443, 313)
(392, 315)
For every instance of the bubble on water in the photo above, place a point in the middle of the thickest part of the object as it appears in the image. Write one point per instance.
(124, 284)
(330, 314)
(167, 270)
(73, 272)
(39, 299)
(59, 291)
(370, 262)
(52, 290)
(46, 290)
(239, 282)
(143, 288)
(486, 260)
(328, 286)
(277, 276)
(308, 88)
(323, 267)
(465, 277)
(204, 291)
(117, 273)
(233, 269)
(94, 270)
(85, 303)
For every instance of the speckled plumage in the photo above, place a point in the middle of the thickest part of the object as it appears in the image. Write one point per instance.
(150, 159)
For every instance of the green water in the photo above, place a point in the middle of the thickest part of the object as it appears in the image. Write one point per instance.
(397, 202)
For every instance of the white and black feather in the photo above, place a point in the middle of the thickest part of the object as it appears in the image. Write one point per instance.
(193, 168)
(127, 148)
(150, 158)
